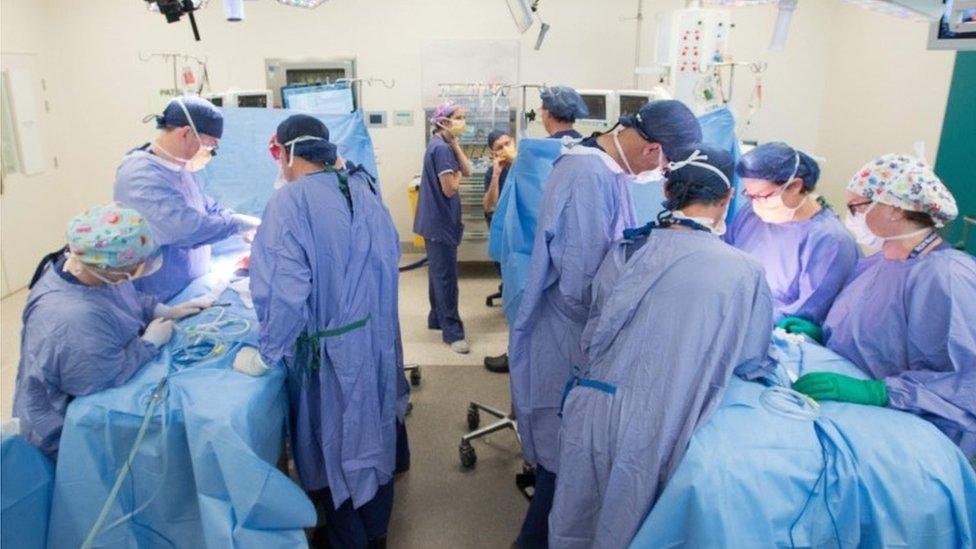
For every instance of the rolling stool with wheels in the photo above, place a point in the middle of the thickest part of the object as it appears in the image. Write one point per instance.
(505, 421)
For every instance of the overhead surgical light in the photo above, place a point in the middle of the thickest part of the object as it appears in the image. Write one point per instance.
(302, 3)
(782, 28)
(521, 13)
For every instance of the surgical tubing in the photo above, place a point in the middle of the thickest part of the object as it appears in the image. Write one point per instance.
(158, 395)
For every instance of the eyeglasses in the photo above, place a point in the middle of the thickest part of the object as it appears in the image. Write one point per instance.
(853, 206)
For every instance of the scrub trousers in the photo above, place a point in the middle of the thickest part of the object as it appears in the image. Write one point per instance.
(349, 528)
(442, 288)
(535, 529)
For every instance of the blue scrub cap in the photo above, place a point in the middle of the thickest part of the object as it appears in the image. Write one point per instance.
(564, 103)
(778, 162)
(204, 116)
(307, 137)
(701, 172)
(495, 135)
(668, 122)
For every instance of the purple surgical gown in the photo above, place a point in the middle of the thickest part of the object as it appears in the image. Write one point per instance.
(806, 262)
(184, 221)
(585, 206)
(77, 340)
(317, 264)
(667, 329)
(912, 324)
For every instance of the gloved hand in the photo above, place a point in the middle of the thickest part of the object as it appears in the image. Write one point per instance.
(797, 325)
(183, 310)
(248, 361)
(831, 386)
(158, 332)
(246, 223)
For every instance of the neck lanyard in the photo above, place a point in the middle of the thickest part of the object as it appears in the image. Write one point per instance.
(917, 250)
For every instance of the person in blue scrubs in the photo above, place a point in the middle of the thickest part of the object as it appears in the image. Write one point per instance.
(86, 327)
(502, 148)
(802, 245)
(159, 180)
(674, 312)
(908, 316)
(438, 220)
(561, 106)
(323, 278)
(586, 205)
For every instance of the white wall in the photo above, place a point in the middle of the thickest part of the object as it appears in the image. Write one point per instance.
(840, 65)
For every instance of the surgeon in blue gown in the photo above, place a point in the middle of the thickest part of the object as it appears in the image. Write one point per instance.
(908, 316)
(802, 245)
(675, 312)
(323, 278)
(86, 328)
(585, 206)
(561, 107)
(159, 180)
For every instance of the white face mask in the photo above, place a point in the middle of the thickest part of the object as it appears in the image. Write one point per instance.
(301, 139)
(772, 209)
(280, 181)
(203, 155)
(858, 225)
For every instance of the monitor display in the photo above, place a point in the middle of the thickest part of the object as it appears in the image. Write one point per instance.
(956, 29)
(319, 98)
(254, 100)
(630, 104)
(596, 104)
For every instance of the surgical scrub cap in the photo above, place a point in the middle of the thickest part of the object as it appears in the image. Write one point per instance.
(564, 103)
(444, 110)
(299, 126)
(110, 237)
(776, 162)
(668, 122)
(495, 135)
(204, 115)
(700, 172)
(905, 182)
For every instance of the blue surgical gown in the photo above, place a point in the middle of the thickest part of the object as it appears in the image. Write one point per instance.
(184, 221)
(806, 262)
(667, 329)
(585, 206)
(912, 323)
(77, 340)
(317, 264)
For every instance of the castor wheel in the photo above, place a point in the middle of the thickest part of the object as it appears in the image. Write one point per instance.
(474, 418)
(489, 302)
(409, 408)
(415, 377)
(468, 457)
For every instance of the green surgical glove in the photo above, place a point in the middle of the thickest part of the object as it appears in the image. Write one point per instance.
(797, 325)
(830, 386)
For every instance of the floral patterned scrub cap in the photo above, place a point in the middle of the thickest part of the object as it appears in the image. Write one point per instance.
(110, 237)
(905, 182)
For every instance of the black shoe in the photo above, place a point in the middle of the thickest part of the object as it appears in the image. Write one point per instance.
(497, 364)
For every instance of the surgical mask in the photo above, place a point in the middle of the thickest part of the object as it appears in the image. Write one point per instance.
(857, 224)
(126, 277)
(772, 209)
(507, 153)
(620, 153)
(457, 127)
(203, 155)
(200, 160)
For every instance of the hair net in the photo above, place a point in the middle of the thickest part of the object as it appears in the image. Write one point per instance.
(667, 122)
(204, 116)
(564, 103)
(110, 237)
(700, 173)
(307, 137)
(495, 135)
(444, 110)
(905, 182)
(776, 162)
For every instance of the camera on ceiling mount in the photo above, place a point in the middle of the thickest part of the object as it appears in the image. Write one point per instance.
(174, 10)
